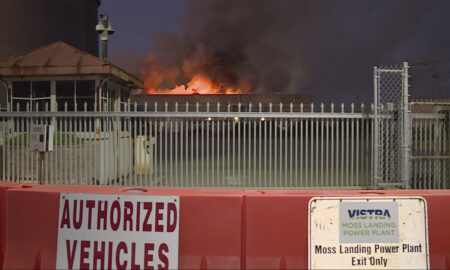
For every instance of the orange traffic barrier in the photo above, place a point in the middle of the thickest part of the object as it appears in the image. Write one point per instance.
(277, 225)
(228, 229)
(209, 233)
(4, 185)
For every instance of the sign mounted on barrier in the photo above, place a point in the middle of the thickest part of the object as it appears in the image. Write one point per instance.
(100, 231)
(368, 233)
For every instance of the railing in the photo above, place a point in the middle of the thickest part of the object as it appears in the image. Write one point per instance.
(293, 146)
(430, 155)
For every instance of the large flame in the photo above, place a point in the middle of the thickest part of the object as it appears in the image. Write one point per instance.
(200, 84)
(158, 79)
(203, 85)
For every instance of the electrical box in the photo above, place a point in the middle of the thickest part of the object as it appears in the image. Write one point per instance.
(41, 138)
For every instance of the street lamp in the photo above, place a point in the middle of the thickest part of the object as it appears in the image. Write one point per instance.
(104, 28)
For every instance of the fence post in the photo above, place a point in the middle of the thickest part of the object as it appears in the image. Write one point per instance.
(406, 132)
(375, 129)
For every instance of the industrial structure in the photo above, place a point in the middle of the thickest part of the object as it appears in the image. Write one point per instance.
(26, 25)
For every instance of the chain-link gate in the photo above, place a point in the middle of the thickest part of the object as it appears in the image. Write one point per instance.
(392, 128)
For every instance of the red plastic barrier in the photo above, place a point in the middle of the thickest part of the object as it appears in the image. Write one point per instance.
(277, 226)
(227, 229)
(4, 186)
(210, 226)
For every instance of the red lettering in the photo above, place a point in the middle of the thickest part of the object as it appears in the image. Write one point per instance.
(115, 206)
(158, 217)
(101, 214)
(138, 216)
(90, 204)
(147, 227)
(162, 257)
(99, 255)
(110, 253)
(134, 266)
(121, 246)
(84, 254)
(127, 215)
(65, 220)
(148, 256)
(77, 223)
(71, 254)
(171, 209)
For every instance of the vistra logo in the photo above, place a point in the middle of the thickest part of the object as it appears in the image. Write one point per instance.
(369, 214)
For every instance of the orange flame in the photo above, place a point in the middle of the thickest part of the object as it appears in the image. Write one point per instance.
(200, 84)
(155, 75)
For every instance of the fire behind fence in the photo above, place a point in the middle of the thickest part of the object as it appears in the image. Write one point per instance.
(281, 146)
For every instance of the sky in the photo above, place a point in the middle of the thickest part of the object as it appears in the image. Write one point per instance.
(137, 21)
(324, 47)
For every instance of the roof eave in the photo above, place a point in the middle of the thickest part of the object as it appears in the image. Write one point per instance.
(73, 71)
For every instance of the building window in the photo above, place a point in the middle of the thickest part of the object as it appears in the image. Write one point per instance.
(108, 97)
(75, 94)
(65, 95)
(85, 94)
(31, 95)
(124, 94)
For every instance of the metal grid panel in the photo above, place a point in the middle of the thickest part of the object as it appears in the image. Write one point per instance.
(390, 138)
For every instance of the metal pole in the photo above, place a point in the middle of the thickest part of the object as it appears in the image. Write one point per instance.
(406, 129)
(41, 168)
(105, 40)
(375, 128)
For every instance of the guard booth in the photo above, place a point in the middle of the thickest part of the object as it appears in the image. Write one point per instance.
(61, 78)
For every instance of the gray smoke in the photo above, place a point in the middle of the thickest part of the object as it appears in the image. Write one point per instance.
(324, 47)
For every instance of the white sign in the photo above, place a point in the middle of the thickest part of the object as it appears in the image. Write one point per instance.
(368, 233)
(101, 231)
(41, 138)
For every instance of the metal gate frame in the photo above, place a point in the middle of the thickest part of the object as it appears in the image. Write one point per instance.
(392, 109)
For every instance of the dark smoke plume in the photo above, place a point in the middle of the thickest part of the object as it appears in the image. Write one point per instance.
(324, 47)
